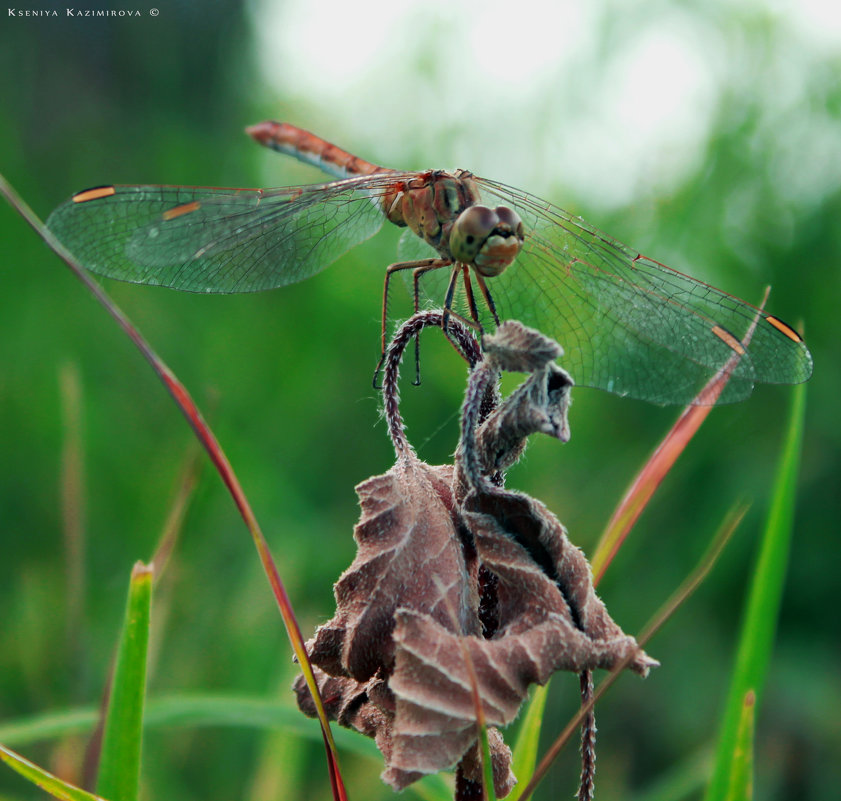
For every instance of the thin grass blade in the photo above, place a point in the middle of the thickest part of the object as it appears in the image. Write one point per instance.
(741, 775)
(119, 764)
(644, 486)
(487, 766)
(194, 417)
(528, 738)
(763, 604)
(683, 592)
(44, 779)
(661, 462)
(726, 530)
(186, 486)
(198, 711)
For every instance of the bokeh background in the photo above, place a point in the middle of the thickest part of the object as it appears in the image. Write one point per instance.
(706, 134)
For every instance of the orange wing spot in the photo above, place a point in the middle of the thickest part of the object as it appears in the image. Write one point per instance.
(728, 339)
(94, 194)
(186, 208)
(786, 329)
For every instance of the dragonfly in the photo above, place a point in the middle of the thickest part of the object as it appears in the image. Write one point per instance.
(474, 247)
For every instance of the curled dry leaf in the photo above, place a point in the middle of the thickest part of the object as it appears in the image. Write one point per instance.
(409, 555)
(457, 580)
(540, 405)
(515, 348)
(410, 558)
(546, 604)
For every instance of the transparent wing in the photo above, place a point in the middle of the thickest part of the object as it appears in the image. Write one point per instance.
(202, 239)
(628, 324)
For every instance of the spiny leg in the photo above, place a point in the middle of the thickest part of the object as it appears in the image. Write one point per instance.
(470, 298)
(417, 274)
(447, 311)
(486, 294)
(422, 264)
(462, 270)
(473, 322)
(448, 298)
(468, 293)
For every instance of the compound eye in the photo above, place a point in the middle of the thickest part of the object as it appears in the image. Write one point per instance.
(508, 218)
(470, 230)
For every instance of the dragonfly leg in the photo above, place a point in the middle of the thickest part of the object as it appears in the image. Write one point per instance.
(459, 270)
(486, 294)
(468, 293)
(417, 274)
(473, 322)
(463, 271)
(448, 298)
(419, 267)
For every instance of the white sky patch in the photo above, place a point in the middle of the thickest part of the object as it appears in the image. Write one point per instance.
(427, 84)
(565, 96)
(511, 44)
(333, 45)
(817, 21)
(646, 131)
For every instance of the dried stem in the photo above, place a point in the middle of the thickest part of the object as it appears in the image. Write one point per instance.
(462, 594)
(587, 786)
(540, 404)
(480, 380)
(459, 335)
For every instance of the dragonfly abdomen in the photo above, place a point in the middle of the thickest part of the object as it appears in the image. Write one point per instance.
(312, 149)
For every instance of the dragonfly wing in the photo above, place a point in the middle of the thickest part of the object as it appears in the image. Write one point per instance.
(630, 325)
(202, 239)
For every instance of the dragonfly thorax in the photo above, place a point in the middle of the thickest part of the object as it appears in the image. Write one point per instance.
(438, 203)
(488, 239)
(443, 209)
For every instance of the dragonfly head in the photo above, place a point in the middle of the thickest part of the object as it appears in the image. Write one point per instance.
(489, 239)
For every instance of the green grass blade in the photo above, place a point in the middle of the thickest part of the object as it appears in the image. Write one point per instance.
(43, 779)
(741, 772)
(196, 711)
(528, 739)
(208, 439)
(487, 765)
(763, 604)
(433, 787)
(119, 765)
(201, 711)
(47, 726)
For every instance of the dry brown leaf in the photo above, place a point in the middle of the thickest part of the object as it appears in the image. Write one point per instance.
(418, 705)
(459, 580)
(370, 709)
(409, 554)
(542, 578)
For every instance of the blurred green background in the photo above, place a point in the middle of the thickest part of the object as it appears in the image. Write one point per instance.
(708, 135)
